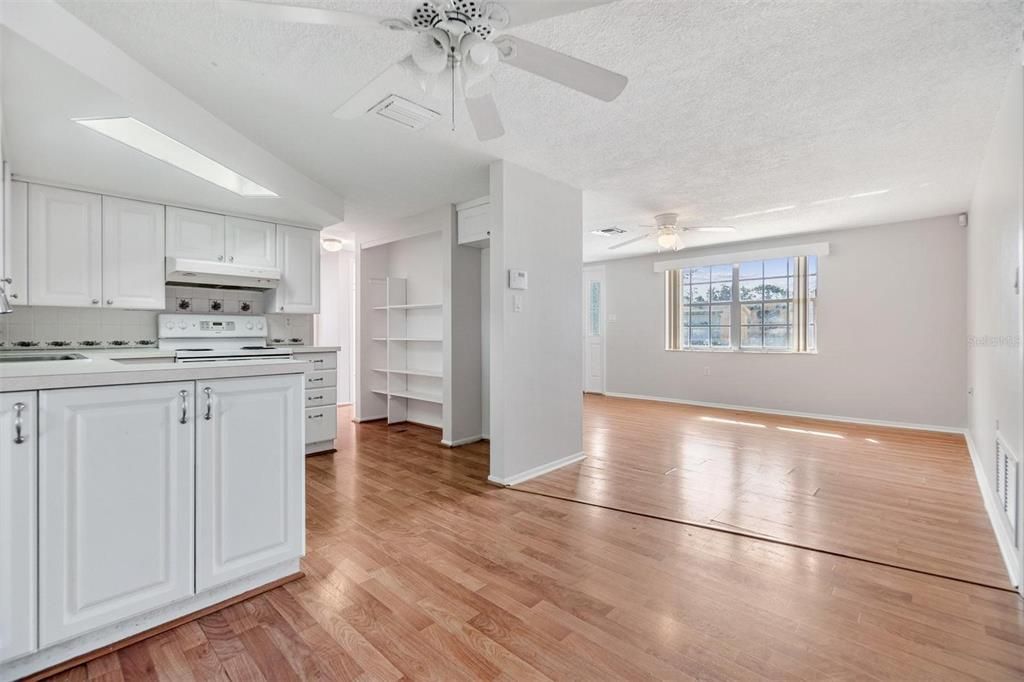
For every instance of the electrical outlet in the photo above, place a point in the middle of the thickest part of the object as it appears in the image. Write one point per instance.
(707, 371)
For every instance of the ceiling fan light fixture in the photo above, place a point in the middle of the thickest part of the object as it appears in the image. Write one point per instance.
(430, 51)
(669, 240)
(479, 59)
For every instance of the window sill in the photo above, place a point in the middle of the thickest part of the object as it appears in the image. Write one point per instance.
(740, 352)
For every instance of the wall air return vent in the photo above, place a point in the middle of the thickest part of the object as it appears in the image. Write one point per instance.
(404, 112)
(610, 231)
(1007, 478)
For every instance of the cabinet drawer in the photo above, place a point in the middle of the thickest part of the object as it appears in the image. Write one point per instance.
(316, 397)
(324, 379)
(321, 423)
(320, 361)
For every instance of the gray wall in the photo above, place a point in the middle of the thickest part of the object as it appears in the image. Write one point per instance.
(891, 332)
(994, 308)
(536, 373)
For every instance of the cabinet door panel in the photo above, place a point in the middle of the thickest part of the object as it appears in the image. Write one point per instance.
(194, 234)
(17, 524)
(133, 254)
(249, 477)
(64, 247)
(298, 256)
(250, 242)
(16, 244)
(116, 487)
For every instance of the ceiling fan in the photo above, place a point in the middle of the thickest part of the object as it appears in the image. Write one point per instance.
(456, 43)
(669, 233)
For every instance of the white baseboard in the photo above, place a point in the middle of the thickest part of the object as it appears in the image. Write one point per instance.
(461, 441)
(360, 420)
(995, 515)
(790, 413)
(536, 471)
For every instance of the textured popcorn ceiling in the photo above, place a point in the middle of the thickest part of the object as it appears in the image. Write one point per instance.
(732, 107)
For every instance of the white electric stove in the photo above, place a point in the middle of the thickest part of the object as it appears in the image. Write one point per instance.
(216, 338)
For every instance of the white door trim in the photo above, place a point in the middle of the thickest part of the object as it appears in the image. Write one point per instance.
(599, 272)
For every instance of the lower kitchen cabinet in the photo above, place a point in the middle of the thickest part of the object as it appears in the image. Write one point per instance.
(249, 476)
(17, 524)
(116, 470)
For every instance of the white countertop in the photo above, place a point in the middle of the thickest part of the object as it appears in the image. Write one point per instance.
(135, 366)
(309, 349)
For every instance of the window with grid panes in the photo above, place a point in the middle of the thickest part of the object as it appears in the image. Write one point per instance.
(762, 305)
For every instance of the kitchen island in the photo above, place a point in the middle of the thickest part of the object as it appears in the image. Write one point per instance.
(136, 492)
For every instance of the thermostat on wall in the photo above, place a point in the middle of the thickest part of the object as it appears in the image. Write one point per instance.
(517, 279)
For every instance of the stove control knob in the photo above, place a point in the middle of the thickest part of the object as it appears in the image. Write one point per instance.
(259, 324)
(248, 325)
(182, 325)
(169, 324)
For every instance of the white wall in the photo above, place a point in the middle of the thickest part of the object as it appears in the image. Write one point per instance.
(485, 342)
(536, 375)
(334, 323)
(993, 307)
(891, 332)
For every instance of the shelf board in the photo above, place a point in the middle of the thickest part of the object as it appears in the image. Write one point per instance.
(375, 369)
(379, 338)
(380, 307)
(379, 391)
(395, 338)
(415, 306)
(422, 397)
(416, 372)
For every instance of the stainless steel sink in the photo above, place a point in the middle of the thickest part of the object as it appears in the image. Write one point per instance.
(39, 357)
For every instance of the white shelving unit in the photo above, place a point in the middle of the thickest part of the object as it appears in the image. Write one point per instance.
(407, 361)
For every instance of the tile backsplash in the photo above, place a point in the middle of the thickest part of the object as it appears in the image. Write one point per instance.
(53, 327)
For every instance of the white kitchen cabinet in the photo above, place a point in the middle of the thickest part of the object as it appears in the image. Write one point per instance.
(15, 243)
(249, 476)
(474, 222)
(250, 242)
(133, 254)
(65, 257)
(195, 234)
(17, 524)
(116, 496)
(298, 257)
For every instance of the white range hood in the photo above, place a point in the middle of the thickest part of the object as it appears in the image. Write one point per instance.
(215, 274)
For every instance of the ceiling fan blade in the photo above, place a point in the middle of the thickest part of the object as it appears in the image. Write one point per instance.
(709, 228)
(483, 112)
(393, 78)
(527, 11)
(628, 242)
(571, 72)
(308, 15)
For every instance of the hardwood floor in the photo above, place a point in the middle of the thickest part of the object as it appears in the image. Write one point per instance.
(902, 497)
(418, 569)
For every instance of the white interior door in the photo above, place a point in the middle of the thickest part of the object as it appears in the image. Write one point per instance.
(593, 330)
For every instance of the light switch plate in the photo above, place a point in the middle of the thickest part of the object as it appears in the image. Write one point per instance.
(517, 279)
(517, 303)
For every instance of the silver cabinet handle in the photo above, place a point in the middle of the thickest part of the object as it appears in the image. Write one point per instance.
(318, 362)
(19, 437)
(315, 416)
(316, 379)
(184, 406)
(209, 404)
(14, 296)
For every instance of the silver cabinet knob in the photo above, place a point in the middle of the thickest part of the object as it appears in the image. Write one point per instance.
(110, 301)
(95, 301)
(220, 257)
(231, 259)
(14, 296)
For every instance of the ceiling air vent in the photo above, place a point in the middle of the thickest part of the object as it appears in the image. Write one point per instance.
(404, 112)
(610, 231)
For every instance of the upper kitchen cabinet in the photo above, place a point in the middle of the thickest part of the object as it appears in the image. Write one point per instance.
(133, 254)
(298, 256)
(195, 234)
(250, 242)
(474, 222)
(14, 262)
(65, 257)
